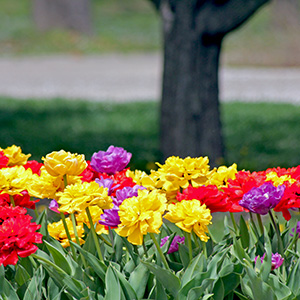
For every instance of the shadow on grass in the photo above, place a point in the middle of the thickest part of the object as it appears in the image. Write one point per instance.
(257, 135)
(81, 127)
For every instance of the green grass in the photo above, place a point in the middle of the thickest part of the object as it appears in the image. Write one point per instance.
(119, 26)
(134, 26)
(257, 135)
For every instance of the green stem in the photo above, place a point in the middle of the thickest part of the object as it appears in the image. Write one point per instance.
(63, 218)
(145, 249)
(293, 242)
(77, 238)
(204, 249)
(36, 213)
(159, 251)
(12, 200)
(32, 262)
(253, 224)
(260, 224)
(189, 244)
(280, 245)
(234, 223)
(65, 180)
(94, 234)
(105, 241)
(111, 236)
(196, 239)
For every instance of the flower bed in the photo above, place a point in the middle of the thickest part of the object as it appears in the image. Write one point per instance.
(125, 234)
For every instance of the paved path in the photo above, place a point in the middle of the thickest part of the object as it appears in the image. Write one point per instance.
(131, 77)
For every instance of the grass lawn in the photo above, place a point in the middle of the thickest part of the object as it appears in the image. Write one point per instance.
(134, 26)
(257, 135)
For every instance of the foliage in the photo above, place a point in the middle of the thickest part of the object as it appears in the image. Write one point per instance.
(239, 262)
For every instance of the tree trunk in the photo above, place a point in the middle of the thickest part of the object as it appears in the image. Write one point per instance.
(190, 116)
(64, 14)
(193, 31)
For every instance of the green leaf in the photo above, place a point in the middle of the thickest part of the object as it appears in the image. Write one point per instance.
(230, 282)
(59, 259)
(202, 279)
(61, 278)
(282, 291)
(42, 220)
(239, 251)
(127, 289)
(160, 292)
(244, 233)
(22, 275)
(219, 290)
(170, 281)
(241, 296)
(34, 290)
(53, 291)
(260, 289)
(138, 280)
(196, 294)
(184, 255)
(196, 266)
(293, 281)
(99, 267)
(112, 284)
(7, 292)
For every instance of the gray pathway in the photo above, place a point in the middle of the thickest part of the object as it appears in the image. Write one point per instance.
(131, 77)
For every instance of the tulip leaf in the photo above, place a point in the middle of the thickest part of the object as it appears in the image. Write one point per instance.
(138, 280)
(230, 282)
(53, 290)
(22, 275)
(259, 288)
(202, 279)
(184, 255)
(196, 294)
(61, 278)
(239, 251)
(59, 259)
(169, 281)
(112, 284)
(196, 266)
(6, 289)
(219, 290)
(160, 292)
(244, 233)
(127, 288)
(98, 266)
(293, 281)
(281, 290)
(34, 290)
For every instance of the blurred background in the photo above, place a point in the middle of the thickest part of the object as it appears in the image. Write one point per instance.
(259, 131)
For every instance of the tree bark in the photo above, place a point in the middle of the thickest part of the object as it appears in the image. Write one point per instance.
(193, 31)
(64, 14)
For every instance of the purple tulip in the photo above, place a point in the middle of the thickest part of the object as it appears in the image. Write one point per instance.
(277, 260)
(54, 206)
(110, 217)
(115, 159)
(261, 199)
(174, 244)
(107, 183)
(126, 192)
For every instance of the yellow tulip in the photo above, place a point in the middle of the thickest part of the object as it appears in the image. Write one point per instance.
(140, 215)
(15, 156)
(59, 163)
(190, 215)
